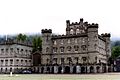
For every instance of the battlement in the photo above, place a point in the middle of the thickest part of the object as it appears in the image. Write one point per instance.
(93, 25)
(105, 35)
(11, 42)
(75, 23)
(68, 36)
(46, 30)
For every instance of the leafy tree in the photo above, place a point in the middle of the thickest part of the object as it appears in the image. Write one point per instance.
(115, 52)
(21, 37)
(37, 44)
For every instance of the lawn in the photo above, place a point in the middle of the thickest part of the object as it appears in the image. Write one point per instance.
(105, 76)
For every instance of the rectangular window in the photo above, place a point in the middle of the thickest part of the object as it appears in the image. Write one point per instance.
(11, 61)
(54, 49)
(61, 49)
(62, 60)
(11, 50)
(2, 50)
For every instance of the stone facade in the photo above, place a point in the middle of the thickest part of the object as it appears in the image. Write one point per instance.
(14, 56)
(81, 50)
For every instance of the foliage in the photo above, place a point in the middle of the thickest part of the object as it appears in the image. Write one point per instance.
(115, 52)
(37, 44)
(21, 37)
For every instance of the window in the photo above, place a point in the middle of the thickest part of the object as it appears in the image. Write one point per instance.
(76, 41)
(71, 31)
(69, 60)
(11, 50)
(77, 31)
(55, 42)
(69, 48)
(83, 41)
(21, 62)
(83, 47)
(30, 51)
(47, 49)
(68, 41)
(47, 60)
(84, 59)
(76, 58)
(17, 61)
(2, 50)
(18, 50)
(76, 47)
(29, 60)
(55, 49)
(11, 61)
(61, 41)
(61, 49)
(6, 62)
(96, 59)
(26, 51)
(21, 50)
(6, 50)
(62, 60)
(2, 61)
(55, 60)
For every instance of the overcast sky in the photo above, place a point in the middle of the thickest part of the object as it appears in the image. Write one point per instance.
(30, 16)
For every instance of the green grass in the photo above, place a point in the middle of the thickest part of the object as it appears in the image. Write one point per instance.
(106, 76)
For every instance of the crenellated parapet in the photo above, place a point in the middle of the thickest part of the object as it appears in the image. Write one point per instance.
(68, 36)
(93, 25)
(74, 23)
(106, 35)
(46, 30)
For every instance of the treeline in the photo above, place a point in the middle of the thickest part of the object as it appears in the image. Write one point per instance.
(34, 39)
(115, 49)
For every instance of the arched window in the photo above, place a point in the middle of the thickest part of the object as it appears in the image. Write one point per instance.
(61, 49)
(77, 31)
(71, 31)
(47, 49)
(54, 49)
(76, 48)
(69, 48)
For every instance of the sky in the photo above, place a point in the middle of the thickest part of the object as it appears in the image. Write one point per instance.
(30, 16)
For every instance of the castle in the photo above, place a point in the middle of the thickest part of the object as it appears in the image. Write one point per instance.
(81, 50)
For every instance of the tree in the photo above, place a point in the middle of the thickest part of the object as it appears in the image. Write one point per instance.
(37, 44)
(115, 52)
(21, 37)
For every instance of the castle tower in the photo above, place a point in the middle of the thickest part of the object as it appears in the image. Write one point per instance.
(92, 42)
(106, 36)
(67, 27)
(75, 28)
(46, 45)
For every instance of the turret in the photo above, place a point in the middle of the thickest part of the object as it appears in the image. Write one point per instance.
(46, 44)
(92, 31)
(107, 36)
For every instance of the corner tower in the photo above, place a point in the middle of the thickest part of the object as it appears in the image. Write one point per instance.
(92, 42)
(46, 45)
